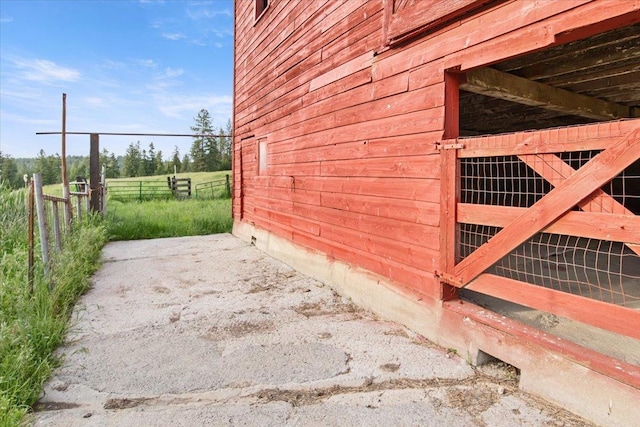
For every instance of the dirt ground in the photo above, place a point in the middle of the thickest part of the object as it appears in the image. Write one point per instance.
(210, 331)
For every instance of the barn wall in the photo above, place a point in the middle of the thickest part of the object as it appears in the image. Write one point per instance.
(350, 126)
(335, 151)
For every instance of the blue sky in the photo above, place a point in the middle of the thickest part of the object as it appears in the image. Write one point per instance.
(126, 66)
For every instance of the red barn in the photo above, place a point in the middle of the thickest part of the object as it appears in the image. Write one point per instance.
(469, 168)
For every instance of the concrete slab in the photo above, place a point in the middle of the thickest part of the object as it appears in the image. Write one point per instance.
(211, 331)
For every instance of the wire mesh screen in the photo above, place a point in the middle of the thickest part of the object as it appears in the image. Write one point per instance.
(603, 270)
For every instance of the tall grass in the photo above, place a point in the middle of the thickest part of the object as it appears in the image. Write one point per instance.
(33, 324)
(168, 218)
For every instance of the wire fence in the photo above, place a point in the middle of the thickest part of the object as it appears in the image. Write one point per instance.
(55, 216)
(219, 188)
(600, 269)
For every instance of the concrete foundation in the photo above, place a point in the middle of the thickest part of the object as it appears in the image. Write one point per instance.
(597, 387)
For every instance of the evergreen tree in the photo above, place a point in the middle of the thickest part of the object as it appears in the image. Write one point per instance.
(132, 160)
(204, 150)
(110, 163)
(143, 166)
(113, 167)
(151, 161)
(159, 164)
(176, 164)
(185, 165)
(78, 168)
(49, 168)
(9, 172)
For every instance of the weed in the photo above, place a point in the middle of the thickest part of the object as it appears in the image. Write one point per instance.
(33, 324)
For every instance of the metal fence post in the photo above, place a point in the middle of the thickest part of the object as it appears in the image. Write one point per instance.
(56, 227)
(31, 260)
(42, 222)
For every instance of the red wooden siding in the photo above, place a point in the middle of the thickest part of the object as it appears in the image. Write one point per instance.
(351, 125)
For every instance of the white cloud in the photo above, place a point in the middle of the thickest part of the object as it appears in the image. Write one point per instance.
(44, 71)
(93, 100)
(6, 19)
(207, 13)
(173, 72)
(150, 63)
(17, 118)
(177, 106)
(174, 36)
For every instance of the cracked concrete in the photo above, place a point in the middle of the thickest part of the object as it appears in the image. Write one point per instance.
(210, 331)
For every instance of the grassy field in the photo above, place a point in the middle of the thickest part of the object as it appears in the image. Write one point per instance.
(33, 323)
(169, 217)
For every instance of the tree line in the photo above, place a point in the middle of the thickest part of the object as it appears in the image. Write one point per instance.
(210, 151)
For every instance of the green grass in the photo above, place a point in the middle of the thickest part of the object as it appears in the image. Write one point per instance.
(168, 218)
(34, 323)
(150, 219)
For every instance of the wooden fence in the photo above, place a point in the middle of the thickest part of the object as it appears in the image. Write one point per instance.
(549, 220)
(56, 216)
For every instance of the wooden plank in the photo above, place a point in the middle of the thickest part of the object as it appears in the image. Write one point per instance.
(360, 63)
(450, 187)
(400, 104)
(497, 84)
(421, 281)
(599, 170)
(599, 17)
(453, 39)
(582, 13)
(596, 136)
(360, 25)
(391, 86)
(401, 231)
(422, 16)
(421, 258)
(427, 190)
(611, 317)
(309, 40)
(293, 221)
(407, 145)
(408, 166)
(426, 75)
(603, 226)
(405, 210)
(555, 170)
(497, 327)
(406, 124)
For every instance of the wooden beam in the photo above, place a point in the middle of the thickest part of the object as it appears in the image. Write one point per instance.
(599, 170)
(449, 184)
(555, 170)
(594, 225)
(596, 136)
(497, 84)
(611, 317)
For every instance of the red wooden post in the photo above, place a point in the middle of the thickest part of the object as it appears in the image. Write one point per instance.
(449, 185)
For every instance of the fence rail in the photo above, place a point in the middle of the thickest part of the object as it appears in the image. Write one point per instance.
(139, 190)
(208, 190)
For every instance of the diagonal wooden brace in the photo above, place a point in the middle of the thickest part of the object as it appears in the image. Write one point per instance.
(555, 170)
(593, 175)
